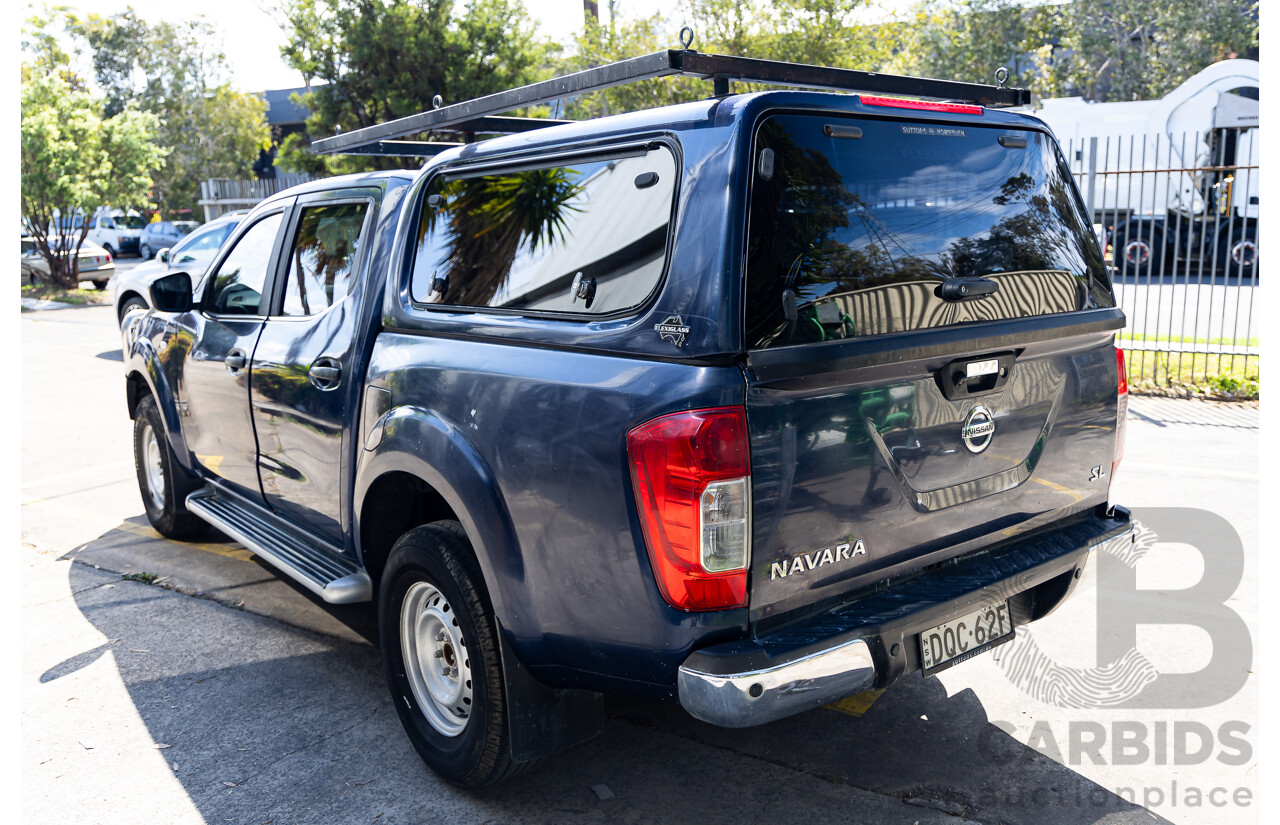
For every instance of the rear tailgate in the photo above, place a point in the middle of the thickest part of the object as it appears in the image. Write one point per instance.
(892, 427)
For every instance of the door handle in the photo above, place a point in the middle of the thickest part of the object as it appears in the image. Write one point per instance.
(325, 373)
(236, 360)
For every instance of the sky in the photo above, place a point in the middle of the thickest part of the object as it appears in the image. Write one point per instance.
(251, 38)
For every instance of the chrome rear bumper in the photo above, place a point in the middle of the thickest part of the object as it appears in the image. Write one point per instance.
(740, 700)
(752, 682)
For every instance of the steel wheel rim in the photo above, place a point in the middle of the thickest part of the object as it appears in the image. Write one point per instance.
(1137, 252)
(1244, 253)
(152, 466)
(436, 660)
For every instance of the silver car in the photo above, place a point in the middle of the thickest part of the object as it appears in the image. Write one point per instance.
(95, 263)
(192, 255)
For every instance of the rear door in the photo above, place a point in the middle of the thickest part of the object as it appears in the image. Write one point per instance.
(305, 360)
(895, 419)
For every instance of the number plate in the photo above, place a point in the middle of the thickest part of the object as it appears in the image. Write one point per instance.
(963, 638)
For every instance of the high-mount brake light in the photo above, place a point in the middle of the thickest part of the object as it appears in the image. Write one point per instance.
(927, 105)
(691, 472)
(1122, 411)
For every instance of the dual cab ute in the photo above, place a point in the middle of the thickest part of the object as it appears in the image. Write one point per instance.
(750, 403)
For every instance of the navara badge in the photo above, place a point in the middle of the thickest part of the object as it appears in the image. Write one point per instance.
(673, 330)
(979, 426)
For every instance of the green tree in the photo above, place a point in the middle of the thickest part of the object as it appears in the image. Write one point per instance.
(1104, 50)
(821, 32)
(1143, 49)
(177, 72)
(968, 40)
(384, 59)
(74, 161)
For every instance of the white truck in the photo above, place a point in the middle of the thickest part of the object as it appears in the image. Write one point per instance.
(1173, 181)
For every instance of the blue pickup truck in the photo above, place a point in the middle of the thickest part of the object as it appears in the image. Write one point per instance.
(750, 403)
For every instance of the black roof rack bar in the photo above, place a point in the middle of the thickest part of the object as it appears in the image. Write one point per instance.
(777, 72)
(402, 148)
(721, 68)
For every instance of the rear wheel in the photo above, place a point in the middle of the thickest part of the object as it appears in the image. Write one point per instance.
(99, 285)
(1138, 249)
(144, 252)
(163, 485)
(1238, 252)
(440, 650)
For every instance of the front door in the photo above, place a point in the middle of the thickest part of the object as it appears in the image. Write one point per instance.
(305, 377)
(215, 377)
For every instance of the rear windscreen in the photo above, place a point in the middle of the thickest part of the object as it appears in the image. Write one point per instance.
(855, 225)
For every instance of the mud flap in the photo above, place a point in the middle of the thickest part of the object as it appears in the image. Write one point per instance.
(544, 720)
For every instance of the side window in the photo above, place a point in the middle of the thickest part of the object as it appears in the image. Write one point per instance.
(590, 237)
(202, 248)
(237, 285)
(323, 258)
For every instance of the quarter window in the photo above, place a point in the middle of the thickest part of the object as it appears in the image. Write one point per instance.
(323, 259)
(588, 237)
(237, 286)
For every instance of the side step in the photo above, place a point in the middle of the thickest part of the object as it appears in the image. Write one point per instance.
(303, 558)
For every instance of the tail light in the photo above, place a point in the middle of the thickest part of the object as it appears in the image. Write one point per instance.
(108, 258)
(927, 105)
(691, 473)
(1122, 409)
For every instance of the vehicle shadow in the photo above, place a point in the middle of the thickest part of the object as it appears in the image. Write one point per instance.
(268, 721)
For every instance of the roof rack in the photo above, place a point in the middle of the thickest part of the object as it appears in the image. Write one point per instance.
(482, 116)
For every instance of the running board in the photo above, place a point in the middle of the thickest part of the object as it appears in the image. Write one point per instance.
(303, 558)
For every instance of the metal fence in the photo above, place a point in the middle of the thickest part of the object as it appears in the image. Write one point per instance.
(1179, 219)
(219, 196)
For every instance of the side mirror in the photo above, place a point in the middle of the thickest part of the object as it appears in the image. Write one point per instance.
(163, 255)
(172, 293)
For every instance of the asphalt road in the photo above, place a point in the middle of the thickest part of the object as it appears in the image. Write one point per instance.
(221, 693)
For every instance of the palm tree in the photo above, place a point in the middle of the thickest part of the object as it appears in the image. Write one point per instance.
(491, 217)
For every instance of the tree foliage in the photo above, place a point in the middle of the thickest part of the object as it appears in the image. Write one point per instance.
(177, 72)
(74, 161)
(968, 40)
(384, 59)
(822, 32)
(1112, 50)
(1143, 49)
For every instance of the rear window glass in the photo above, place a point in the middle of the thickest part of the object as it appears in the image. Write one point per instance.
(588, 237)
(856, 223)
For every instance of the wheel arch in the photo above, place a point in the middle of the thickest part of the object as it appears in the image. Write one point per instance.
(144, 376)
(423, 470)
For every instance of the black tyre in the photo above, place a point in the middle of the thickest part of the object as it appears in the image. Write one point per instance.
(1238, 252)
(144, 252)
(1138, 249)
(440, 649)
(163, 484)
(99, 285)
(130, 305)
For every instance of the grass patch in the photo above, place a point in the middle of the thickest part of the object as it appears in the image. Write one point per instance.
(145, 578)
(77, 297)
(1187, 339)
(1223, 377)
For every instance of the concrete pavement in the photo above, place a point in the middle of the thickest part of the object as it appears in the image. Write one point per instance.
(274, 706)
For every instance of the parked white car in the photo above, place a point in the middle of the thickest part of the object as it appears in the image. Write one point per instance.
(117, 233)
(96, 263)
(192, 255)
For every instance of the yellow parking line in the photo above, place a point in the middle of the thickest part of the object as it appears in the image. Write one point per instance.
(857, 704)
